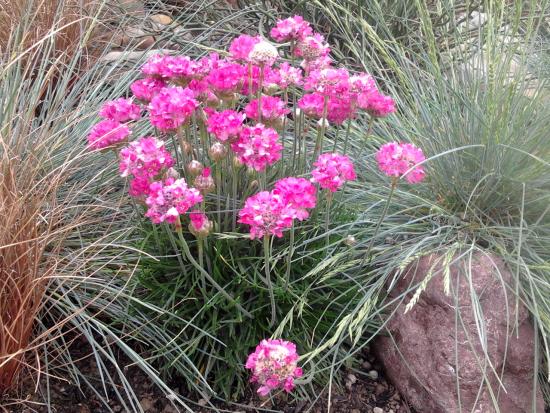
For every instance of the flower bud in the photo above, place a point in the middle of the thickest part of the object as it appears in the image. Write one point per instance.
(217, 151)
(237, 163)
(200, 226)
(194, 168)
(322, 121)
(263, 53)
(204, 182)
(186, 147)
(172, 173)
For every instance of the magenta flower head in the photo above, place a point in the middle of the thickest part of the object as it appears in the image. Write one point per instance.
(312, 104)
(394, 159)
(257, 147)
(332, 171)
(298, 193)
(376, 104)
(180, 69)
(199, 226)
(328, 81)
(106, 133)
(267, 214)
(156, 67)
(169, 199)
(273, 109)
(285, 76)
(312, 47)
(227, 78)
(120, 110)
(145, 89)
(242, 45)
(172, 107)
(225, 126)
(146, 157)
(291, 29)
(274, 364)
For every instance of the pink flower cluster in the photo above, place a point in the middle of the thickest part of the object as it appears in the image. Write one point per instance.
(274, 364)
(291, 29)
(226, 125)
(257, 147)
(298, 193)
(120, 110)
(199, 224)
(108, 133)
(267, 214)
(169, 199)
(145, 89)
(172, 107)
(332, 171)
(273, 109)
(395, 159)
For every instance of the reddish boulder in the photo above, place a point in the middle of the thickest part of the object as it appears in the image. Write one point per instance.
(429, 347)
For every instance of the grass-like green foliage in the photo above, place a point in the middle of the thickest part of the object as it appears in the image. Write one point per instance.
(475, 99)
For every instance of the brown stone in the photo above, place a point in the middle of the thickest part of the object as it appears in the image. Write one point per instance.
(162, 19)
(420, 356)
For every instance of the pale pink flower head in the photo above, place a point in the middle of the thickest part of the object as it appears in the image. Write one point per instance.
(332, 171)
(362, 83)
(274, 364)
(289, 76)
(145, 89)
(312, 47)
(146, 157)
(242, 45)
(273, 109)
(322, 62)
(120, 110)
(267, 214)
(156, 67)
(226, 125)
(172, 107)
(376, 104)
(257, 147)
(312, 104)
(106, 133)
(169, 199)
(299, 193)
(200, 226)
(291, 29)
(227, 79)
(263, 54)
(328, 81)
(394, 159)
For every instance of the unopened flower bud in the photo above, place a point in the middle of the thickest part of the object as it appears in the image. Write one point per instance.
(237, 163)
(217, 151)
(200, 226)
(172, 173)
(186, 147)
(194, 168)
(204, 182)
(271, 89)
(322, 121)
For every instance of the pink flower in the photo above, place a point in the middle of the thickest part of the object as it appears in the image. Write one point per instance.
(202, 92)
(312, 47)
(139, 186)
(106, 133)
(273, 109)
(204, 182)
(340, 108)
(146, 157)
(156, 67)
(227, 79)
(226, 125)
(168, 200)
(241, 46)
(291, 29)
(179, 68)
(322, 62)
(376, 104)
(206, 64)
(172, 107)
(274, 364)
(328, 81)
(120, 110)
(146, 89)
(299, 193)
(258, 147)
(312, 104)
(267, 214)
(332, 170)
(263, 54)
(394, 159)
(362, 83)
(288, 76)
(199, 226)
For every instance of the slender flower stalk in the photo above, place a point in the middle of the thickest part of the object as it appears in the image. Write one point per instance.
(267, 255)
(329, 196)
(289, 256)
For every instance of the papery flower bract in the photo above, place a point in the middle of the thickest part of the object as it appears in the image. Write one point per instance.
(312, 47)
(172, 107)
(225, 125)
(293, 28)
(267, 214)
(120, 110)
(299, 193)
(263, 54)
(394, 159)
(376, 104)
(312, 104)
(199, 226)
(273, 108)
(257, 147)
(242, 45)
(332, 171)
(145, 89)
(274, 364)
(106, 133)
(169, 199)
(146, 157)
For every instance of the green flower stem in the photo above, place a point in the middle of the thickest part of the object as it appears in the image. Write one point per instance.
(267, 254)
(260, 87)
(219, 194)
(321, 130)
(289, 257)
(181, 139)
(327, 219)
(234, 190)
(250, 82)
(202, 271)
(371, 124)
(346, 139)
(384, 212)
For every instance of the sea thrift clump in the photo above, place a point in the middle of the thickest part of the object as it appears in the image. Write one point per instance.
(332, 171)
(120, 110)
(169, 199)
(242, 45)
(145, 89)
(266, 213)
(172, 107)
(106, 133)
(199, 226)
(299, 193)
(291, 29)
(273, 109)
(258, 147)
(225, 125)
(394, 159)
(274, 364)
(146, 157)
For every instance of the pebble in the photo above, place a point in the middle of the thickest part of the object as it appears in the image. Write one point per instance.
(366, 365)
(162, 19)
(355, 411)
(147, 405)
(373, 374)
(377, 410)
